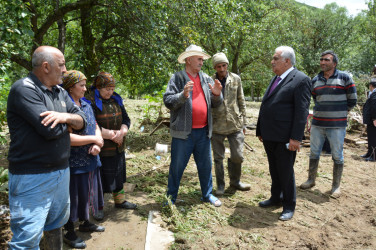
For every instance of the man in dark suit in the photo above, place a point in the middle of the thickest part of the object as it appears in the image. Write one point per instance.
(280, 126)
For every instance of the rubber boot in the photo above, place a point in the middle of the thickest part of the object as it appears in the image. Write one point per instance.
(337, 174)
(52, 240)
(220, 178)
(312, 172)
(234, 172)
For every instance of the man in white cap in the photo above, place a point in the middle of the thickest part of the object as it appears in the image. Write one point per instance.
(229, 120)
(189, 96)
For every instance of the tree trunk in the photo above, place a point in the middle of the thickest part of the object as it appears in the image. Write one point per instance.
(62, 30)
(91, 62)
(235, 61)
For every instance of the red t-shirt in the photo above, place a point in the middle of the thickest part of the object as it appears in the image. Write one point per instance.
(199, 106)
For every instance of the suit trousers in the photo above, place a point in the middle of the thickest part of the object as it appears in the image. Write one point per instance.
(371, 136)
(281, 168)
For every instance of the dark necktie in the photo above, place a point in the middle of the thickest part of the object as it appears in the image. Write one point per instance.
(275, 84)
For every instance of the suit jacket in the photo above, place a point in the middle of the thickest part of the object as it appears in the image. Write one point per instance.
(283, 114)
(369, 109)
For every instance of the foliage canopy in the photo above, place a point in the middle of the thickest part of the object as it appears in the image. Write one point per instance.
(138, 41)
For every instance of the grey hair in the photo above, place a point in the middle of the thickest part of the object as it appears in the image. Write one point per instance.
(287, 53)
(39, 57)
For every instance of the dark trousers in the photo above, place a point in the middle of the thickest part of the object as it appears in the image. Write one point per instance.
(371, 136)
(79, 197)
(113, 172)
(281, 168)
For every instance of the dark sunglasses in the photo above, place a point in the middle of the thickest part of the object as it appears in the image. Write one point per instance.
(324, 59)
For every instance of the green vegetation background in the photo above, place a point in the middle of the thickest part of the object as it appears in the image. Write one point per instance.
(138, 41)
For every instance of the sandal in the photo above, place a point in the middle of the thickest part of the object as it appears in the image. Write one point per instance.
(214, 201)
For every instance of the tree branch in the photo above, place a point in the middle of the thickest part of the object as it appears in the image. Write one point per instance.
(34, 16)
(21, 61)
(58, 14)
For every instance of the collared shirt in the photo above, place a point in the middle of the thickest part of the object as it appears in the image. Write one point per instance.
(35, 148)
(283, 76)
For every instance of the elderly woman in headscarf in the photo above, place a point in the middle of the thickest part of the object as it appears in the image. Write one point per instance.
(84, 163)
(114, 122)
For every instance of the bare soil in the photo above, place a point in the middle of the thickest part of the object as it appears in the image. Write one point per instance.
(320, 222)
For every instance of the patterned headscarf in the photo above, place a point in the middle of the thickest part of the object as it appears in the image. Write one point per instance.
(103, 80)
(71, 77)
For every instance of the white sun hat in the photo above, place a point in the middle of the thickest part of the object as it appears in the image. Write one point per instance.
(192, 50)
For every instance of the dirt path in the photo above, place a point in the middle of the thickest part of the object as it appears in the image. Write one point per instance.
(125, 229)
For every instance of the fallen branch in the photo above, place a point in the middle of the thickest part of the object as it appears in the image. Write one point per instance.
(151, 170)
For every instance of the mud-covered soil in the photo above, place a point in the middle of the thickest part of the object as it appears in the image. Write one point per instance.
(320, 222)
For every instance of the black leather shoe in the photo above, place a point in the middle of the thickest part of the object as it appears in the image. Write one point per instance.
(286, 215)
(90, 227)
(371, 158)
(365, 155)
(269, 203)
(126, 205)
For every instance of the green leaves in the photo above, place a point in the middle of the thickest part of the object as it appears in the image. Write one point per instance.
(139, 41)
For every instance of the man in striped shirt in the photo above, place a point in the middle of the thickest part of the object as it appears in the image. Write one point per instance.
(334, 94)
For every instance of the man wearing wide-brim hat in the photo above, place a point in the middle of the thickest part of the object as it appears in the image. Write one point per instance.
(189, 96)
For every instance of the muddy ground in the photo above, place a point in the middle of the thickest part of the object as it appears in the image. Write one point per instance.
(320, 222)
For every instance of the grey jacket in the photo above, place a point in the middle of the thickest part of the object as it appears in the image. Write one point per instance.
(181, 107)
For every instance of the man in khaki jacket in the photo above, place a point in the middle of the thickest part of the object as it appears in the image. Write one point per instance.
(229, 120)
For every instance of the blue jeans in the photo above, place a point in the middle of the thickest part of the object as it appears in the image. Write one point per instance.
(336, 137)
(197, 143)
(38, 202)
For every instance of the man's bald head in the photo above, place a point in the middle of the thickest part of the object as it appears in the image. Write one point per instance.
(48, 65)
(44, 54)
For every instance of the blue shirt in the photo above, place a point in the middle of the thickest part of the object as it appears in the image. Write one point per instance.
(80, 160)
